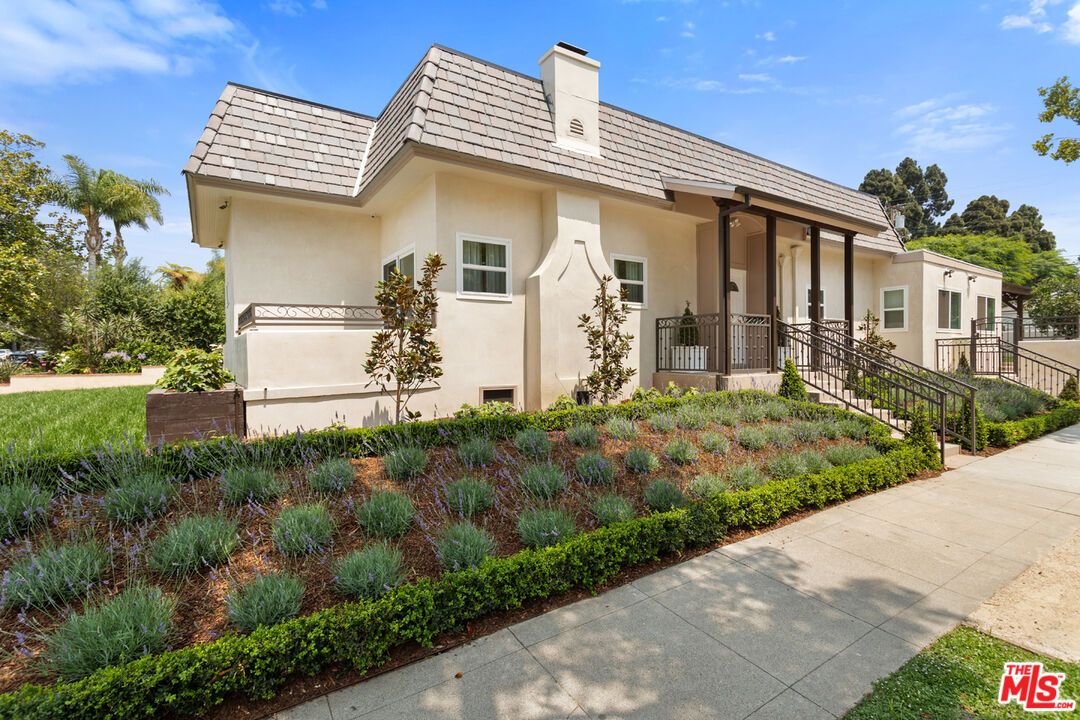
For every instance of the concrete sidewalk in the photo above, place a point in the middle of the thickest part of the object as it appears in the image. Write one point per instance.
(795, 623)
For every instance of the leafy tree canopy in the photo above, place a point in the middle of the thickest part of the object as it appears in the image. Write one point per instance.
(989, 215)
(1057, 297)
(1060, 100)
(1013, 256)
(919, 194)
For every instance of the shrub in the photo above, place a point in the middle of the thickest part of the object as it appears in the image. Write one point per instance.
(829, 430)
(691, 417)
(780, 436)
(814, 462)
(469, 496)
(303, 529)
(808, 431)
(53, 576)
(595, 469)
(583, 435)
(645, 393)
(620, 428)
(563, 402)
(791, 385)
(791, 465)
(386, 514)
(23, 506)
(852, 428)
(240, 485)
(745, 476)
(963, 367)
(194, 370)
(714, 443)
(752, 413)
(136, 622)
(492, 408)
(641, 461)
(332, 476)
(1070, 391)
(681, 451)
(725, 416)
(533, 443)
(776, 411)
(543, 481)
(611, 509)
(367, 574)
(463, 545)
(1008, 434)
(847, 454)
(477, 452)
(662, 422)
(194, 543)
(662, 496)
(138, 497)
(709, 486)
(407, 461)
(752, 438)
(919, 432)
(266, 600)
(543, 528)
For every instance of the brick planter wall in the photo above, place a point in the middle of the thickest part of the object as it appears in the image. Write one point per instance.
(174, 416)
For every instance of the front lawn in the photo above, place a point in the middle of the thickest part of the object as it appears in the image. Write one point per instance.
(61, 421)
(957, 678)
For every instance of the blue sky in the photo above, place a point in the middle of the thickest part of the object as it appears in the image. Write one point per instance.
(833, 89)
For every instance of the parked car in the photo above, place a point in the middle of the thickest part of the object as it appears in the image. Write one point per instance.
(5, 353)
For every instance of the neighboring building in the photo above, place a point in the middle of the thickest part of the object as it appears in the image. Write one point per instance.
(530, 189)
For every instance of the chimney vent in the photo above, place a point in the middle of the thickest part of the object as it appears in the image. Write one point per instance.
(572, 88)
(572, 48)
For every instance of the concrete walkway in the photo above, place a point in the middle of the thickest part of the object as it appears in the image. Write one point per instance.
(795, 623)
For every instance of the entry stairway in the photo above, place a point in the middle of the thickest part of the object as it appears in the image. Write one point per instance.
(846, 372)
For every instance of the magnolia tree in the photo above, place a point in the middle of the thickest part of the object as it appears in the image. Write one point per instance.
(403, 356)
(608, 345)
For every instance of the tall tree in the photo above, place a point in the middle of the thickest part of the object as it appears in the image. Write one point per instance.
(1027, 222)
(920, 195)
(1013, 256)
(989, 215)
(95, 194)
(608, 346)
(1060, 100)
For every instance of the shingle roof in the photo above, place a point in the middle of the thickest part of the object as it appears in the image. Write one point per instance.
(465, 105)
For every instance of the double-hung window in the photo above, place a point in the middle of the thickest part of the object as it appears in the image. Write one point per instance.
(950, 305)
(987, 309)
(483, 267)
(403, 261)
(631, 273)
(810, 301)
(894, 308)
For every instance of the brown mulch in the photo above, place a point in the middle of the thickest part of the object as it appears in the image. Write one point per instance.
(201, 615)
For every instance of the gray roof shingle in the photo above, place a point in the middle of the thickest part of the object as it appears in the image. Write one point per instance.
(458, 103)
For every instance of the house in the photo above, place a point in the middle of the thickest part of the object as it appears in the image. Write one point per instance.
(531, 189)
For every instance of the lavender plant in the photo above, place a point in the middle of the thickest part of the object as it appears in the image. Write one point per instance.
(545, 527)
(303, 529)
(54, 575)
(386, 514)
(264, 601)
(255, 485)
(23, 506)
(469, 496)
(367, 574)
(714, 443)
(407, 461)
(610, 509)
(595, 469)
(709, 485)
(138, 498)
(641, 461)
(332, 476)
(662, 422)
(745, 476)
(662, 496)
(193, 544)
(543, 481)
(463, 545)
(477, 452)
(847, 453)
(583, 435)
(620, 428)
(533, 442)
(681, 451)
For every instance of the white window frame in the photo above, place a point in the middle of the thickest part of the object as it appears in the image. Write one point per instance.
(462, 294)
(407, 250)
(824, 299)
(644, 304)
(937, 310)
(881, 306)
(997, 302)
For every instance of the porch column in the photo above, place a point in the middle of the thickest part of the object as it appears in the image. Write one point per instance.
(1019, 334)
(815, 294)
(724, 346)
(849, 282)
(770, 286)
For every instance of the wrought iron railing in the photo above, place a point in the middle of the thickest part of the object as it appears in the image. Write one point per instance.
(990, 355)
(695, 343)
(256, 314)
(1012, 329)
(868, 383)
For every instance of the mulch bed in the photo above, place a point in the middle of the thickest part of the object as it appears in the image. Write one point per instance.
(201, 614)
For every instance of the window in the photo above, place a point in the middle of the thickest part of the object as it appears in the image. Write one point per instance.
(949, 309)
(403, 260)
(497, 394)
(483, 267)
(630, 271)
(821, 304)
(894, 308)
(987, 309)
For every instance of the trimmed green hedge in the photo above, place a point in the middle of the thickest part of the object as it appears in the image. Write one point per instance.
(1007, 434)
(89, 469)
(196, 678)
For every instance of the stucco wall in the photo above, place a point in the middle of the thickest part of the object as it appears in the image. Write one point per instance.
(1066, 351)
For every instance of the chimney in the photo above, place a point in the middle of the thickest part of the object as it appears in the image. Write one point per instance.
(572, 89)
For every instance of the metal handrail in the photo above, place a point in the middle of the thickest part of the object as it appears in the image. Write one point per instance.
(863, 382)
(994, 355)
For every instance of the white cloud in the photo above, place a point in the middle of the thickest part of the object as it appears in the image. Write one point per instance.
(318, 4)
(1071, 27)
(292, 8)
(756, 77)
(791, 59)
(688, 30)
(661, 19)
(45, 41)
(767, 36)
(1036, 19)
(938, 125)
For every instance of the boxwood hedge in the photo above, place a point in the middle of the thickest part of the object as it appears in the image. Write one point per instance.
(1007, 434)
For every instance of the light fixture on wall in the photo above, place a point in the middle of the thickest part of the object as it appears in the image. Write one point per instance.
(972, 278)
(732, 287)
(736, 222)
(948, 273)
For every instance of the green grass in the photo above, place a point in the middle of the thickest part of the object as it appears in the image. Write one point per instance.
(957, 678)
(61, 420)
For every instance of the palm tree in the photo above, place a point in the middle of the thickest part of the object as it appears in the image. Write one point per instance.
(103, 193)
(177, 276)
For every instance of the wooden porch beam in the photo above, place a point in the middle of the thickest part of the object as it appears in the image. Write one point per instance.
(815, 273)
(725, 291)
(770, 286)
(849, 283)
